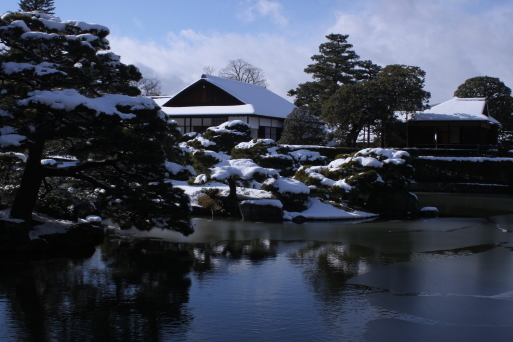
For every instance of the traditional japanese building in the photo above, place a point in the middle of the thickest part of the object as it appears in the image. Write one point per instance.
(460, 123)
(213, 100)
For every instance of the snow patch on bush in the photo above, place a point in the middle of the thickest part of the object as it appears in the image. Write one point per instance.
(288, 185)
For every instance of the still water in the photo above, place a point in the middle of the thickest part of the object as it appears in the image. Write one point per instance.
(444, 279)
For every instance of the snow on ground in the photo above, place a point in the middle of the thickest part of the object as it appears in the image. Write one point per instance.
(318, 210)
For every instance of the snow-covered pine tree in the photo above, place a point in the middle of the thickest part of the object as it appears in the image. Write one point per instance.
(64, 94)
(44, 6)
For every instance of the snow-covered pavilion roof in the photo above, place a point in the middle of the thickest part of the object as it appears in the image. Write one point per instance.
(457, 109)
(257, 101)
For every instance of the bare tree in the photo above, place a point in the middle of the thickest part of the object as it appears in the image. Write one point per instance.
(148, 86)
(240, 70)
(209, 70)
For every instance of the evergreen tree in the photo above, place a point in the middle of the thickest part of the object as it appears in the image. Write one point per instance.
(64, 94)
(43, 6)
(353, 107)
(302, 128)
(335, 65)
(374, 101)
(497, 94)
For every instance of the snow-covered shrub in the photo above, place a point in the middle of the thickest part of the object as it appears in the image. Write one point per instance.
(307, 157)
(306, 176)
(228, 135)
(189, 136)
(200, 143)
(292, 193)
(266, 153)
(236, 172)
(203, 161)
(199, 179)
(179, 172)
(243, 168)
(283, 163)
(376, 179)
(253, 149)
(321, 186)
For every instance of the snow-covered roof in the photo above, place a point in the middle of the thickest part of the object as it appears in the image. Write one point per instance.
(457, 109)
(257, 101)
(211, 110)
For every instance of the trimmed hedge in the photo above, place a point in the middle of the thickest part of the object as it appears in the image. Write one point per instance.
(481, 170)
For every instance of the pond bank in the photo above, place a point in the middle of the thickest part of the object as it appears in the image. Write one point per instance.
(49, 238)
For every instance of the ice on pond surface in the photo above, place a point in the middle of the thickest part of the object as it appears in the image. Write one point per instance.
(394, 330)
(487, 273)
(448, 310)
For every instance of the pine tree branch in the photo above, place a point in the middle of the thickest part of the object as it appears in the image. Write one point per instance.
(134, 174)
(73, 171)
(93, 181)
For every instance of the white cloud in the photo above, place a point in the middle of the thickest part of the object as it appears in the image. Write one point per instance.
(450, 44)
(264, 8)
(449, 41)
(181, 60)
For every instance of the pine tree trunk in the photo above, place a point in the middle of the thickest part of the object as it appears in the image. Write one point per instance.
(27, 194)
(232, 197)
(383, 135)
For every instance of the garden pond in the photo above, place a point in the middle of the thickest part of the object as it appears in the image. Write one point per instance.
(443, 279)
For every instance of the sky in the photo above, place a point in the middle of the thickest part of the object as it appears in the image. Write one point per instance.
(452, 40)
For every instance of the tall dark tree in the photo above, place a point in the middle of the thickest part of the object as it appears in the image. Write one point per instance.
(44, 6)
(374, 101)
(353, 107)
(64, 94)
(498, 96)
(302, 128)
(335, 65)
(240, 70)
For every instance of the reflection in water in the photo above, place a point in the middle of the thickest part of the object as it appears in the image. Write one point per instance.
(239, 280)
(129, 291)
(133, 290)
